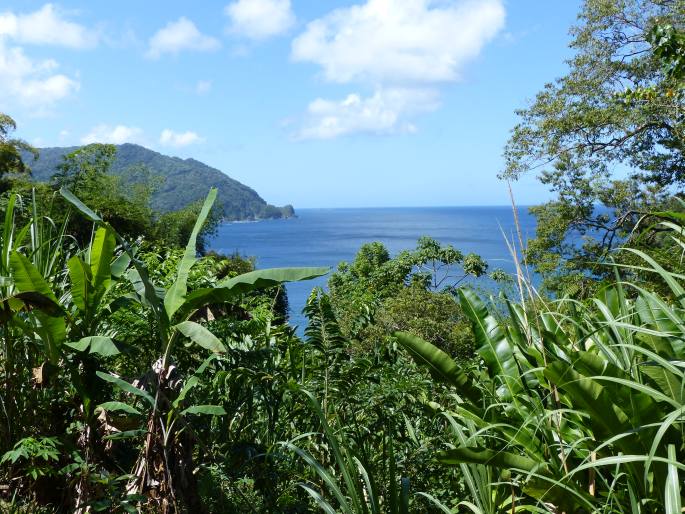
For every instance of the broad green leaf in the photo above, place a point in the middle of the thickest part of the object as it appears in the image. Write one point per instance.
(80, 206)
(229, 289)
(668, 382)
(79, 274)
(584, 393)
(212, 410)
(498, 459)
(492, 345)
(80, 346)
(100, 345)
(120, 264)
(175, 296)
(642, 409)
(101, 253)
(27, 277)
(41, 302)
(201, 336)
(440, 364)
(126, 387)
(118, 406)
(149, 294)
(52, 331)
(260, 279)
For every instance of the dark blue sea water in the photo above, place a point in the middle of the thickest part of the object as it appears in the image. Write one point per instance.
(325, 237)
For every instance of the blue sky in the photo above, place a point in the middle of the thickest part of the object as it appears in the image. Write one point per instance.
(314, 103)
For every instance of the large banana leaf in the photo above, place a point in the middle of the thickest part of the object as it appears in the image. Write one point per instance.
(146, 287)
(229, 289)
(31, 300)
(201, 336)
(51, 329)
(81, 290)
(27, 277)
(100, 345)
(80, 206)
(101, 253)
(176, 294)
(261, 279)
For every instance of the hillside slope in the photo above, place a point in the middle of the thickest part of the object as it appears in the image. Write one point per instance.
(183, 181)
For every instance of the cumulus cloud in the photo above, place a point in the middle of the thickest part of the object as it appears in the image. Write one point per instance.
(36, 83)
(46, 26)
(33, 83)
(402, 49)
(259, 19)
(115, 135)
(399, 40)
(180, 35)
(178, 139)
(385, 112)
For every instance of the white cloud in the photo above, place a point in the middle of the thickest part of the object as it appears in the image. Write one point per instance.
(46, 26)
(259, 19)
(30, 82)
(402, 49)
(33, 83)
(178, 139)
(203, 87)
(399, 41)
(116, 135)
(179, 35)
(386, 112)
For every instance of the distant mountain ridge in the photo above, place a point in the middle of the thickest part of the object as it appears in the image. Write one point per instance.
(184, 181)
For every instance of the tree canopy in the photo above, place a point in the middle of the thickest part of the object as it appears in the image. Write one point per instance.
(11, 158)
(607, 138)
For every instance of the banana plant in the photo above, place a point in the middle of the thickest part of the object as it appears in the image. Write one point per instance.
(174, 307)
(172, 310)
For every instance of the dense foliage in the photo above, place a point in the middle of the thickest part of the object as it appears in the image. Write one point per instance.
(414, 291)
(138, 374)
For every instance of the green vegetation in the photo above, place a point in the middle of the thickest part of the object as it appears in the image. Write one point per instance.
(415, 291)
(174, 183)
(607, 138)
(139, 373)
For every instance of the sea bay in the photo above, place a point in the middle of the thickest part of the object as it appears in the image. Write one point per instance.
(325, 237)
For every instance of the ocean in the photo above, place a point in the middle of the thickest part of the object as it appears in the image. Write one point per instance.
(325, 237)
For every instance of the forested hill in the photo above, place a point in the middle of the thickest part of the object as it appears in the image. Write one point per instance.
(181, 181)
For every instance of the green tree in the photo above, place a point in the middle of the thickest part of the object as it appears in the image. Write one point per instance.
(414, 291)
(11, 161)
(608, 154)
